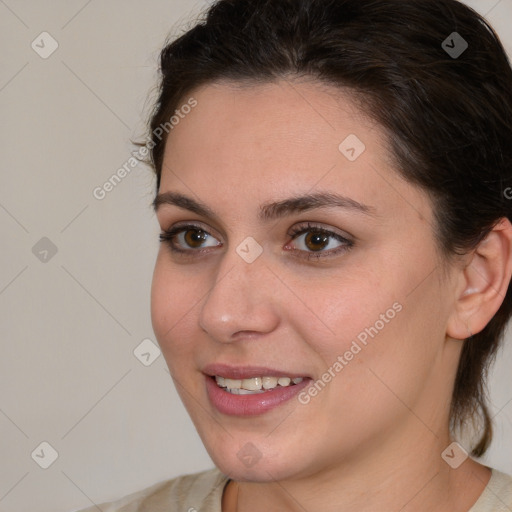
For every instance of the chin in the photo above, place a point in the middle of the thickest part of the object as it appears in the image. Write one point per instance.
(262, 471)
(246, 458)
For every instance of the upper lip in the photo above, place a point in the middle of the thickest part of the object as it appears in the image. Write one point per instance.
(247, 372)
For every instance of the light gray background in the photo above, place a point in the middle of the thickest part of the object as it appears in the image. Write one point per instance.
(69, 326)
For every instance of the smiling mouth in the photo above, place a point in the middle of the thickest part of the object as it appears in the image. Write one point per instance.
(255, 385)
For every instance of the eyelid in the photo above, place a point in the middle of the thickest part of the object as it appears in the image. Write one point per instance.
(312, 226)
(184, 225)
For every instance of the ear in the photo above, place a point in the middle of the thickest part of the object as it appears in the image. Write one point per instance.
(483, 283)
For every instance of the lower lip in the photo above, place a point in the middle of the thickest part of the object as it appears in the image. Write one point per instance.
(250, 405)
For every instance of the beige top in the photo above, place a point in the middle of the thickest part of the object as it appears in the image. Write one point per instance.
(202, 492)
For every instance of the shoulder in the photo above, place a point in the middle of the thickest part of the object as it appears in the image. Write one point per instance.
(187, 493)
(497, 496)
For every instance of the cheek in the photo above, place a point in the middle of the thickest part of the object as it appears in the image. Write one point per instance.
(376, 321)
(172, 309)
(345, 307)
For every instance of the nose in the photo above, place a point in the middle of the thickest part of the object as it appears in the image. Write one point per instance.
(242, 300)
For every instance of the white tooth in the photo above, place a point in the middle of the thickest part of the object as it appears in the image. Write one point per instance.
(269, 382)
(243, 391)
(252, 384)
(232, 383)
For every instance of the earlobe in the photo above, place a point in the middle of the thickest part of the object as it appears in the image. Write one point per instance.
(483, 283)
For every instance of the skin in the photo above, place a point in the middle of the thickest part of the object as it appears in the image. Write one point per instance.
(373, 438)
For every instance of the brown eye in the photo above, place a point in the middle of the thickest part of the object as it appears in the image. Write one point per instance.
(195, 237)
(187, 239)
(316, 241)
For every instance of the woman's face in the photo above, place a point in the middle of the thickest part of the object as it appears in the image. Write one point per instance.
(362, 321)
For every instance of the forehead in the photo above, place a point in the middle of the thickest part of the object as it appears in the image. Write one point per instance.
(274, 126)
(272, 140)
(296, 112)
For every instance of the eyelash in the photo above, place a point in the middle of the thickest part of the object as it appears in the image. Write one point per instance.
(169, 236)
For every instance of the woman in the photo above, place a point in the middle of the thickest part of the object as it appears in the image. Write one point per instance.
(334, 275)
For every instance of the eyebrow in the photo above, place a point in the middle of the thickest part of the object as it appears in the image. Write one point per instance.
(270, 210)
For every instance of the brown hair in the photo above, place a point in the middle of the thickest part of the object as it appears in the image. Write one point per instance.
(447, 111)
